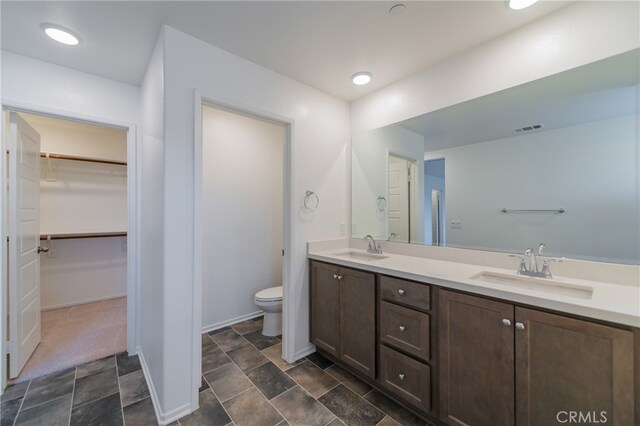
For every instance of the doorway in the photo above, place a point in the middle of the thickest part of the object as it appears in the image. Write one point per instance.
(402, 218)
(243, 241)
(243, 163)
(67, 253)
(435, 229)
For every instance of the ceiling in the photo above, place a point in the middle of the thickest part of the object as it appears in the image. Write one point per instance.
(597, 91)
(319, 43)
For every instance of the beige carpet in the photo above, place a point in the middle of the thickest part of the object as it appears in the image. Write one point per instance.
(76, 335)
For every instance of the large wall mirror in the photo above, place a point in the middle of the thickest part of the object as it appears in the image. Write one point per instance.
(555, 160)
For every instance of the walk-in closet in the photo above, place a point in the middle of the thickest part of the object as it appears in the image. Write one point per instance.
(81, 258)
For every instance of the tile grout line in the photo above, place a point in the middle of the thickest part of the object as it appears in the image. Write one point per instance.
(214, 393)
(22, 402)
(115, 358)
(73, 393)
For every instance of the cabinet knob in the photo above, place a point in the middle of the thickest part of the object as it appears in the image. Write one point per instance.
(402, 328)
(339, 277)
(401, 376)
(519, 326)
(506, 322)
(400, 291)
(335, 276)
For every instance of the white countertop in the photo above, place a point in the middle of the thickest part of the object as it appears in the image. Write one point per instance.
(616, 303)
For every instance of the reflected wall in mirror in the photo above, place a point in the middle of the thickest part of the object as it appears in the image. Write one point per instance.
(555, 160)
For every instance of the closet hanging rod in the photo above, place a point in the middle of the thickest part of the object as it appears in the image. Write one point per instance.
(83, 235)
(79, 158)
(559, 211)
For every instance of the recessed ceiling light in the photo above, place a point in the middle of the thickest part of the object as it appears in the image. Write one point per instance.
(361, 78)
(60, 34)
(520, 4)
(397, 9)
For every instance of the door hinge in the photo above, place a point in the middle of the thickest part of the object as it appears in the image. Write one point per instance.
(10, 346)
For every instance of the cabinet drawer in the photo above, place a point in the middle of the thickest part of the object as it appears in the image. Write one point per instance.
(405, 292)
(405, 329)
(407, 378)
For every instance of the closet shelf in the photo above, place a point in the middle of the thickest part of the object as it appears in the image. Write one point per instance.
(83, 235)
(79, 158)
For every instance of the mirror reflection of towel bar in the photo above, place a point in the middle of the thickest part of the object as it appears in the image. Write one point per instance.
(560, 210)
(311, 200)
(382, 204)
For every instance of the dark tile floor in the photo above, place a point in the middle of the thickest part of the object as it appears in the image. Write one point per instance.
(110, 391)
(245, 381)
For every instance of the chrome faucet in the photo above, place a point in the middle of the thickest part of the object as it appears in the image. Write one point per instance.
(529, 263)
(391, 236)
(375, 248)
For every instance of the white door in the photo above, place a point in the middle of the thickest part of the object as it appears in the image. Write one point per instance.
(398, 198)
(24, 239)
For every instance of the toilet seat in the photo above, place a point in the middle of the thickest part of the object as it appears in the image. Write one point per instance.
(272, 294)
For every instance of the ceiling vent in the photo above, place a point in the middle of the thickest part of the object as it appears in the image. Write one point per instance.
(529, 128)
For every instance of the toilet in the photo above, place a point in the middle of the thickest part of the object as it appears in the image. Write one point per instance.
(270, 301)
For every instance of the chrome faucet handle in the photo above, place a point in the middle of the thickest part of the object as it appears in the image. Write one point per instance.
(523, 266)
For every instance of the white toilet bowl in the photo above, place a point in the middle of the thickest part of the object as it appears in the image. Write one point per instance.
(270, 301)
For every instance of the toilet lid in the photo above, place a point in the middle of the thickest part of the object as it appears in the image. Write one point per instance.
(273, 293)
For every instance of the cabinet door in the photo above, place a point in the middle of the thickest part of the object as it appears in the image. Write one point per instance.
(325, 307)
(567, 365)
(358, 320)
(476, 361)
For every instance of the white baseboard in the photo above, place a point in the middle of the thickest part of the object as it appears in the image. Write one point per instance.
(82, 302)
(231, 321)
(305, 351)
(162, 418)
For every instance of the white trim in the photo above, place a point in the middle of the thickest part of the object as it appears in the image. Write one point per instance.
(304, 352)
(198, 247)
(231, 321)
(288, 317)
(133, 194)
(4, 350)
(82, 302)
(162, 418)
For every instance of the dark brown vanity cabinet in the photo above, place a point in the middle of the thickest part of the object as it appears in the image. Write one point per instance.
(509, 365)
(405, 340)
(343, 315)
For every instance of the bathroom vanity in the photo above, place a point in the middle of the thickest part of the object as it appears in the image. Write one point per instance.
(461, 351)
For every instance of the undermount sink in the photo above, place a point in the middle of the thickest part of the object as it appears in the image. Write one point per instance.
(362, 256)
(538, 284)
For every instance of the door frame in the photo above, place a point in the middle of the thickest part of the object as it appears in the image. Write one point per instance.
(133, 219)
(288, 319)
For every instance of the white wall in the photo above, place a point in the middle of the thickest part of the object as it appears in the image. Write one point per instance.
(575, 35)
(83, 271)
(153, 342)
(243, 170)
(590, 170)
(320, 139)
(369, 165)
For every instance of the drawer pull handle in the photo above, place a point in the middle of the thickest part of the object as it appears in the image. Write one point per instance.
(506, 322)
(400, 291)
(401, 376)
(402, 328)
(519, 326)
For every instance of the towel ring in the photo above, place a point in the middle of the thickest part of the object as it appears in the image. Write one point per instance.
(382, 203)
(311, 200)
